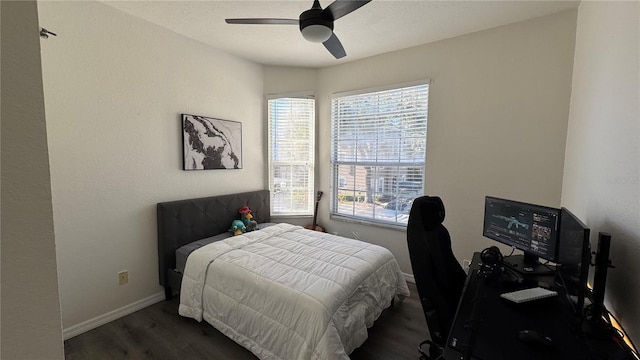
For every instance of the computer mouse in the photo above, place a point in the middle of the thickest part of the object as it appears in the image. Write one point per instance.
(534, 338)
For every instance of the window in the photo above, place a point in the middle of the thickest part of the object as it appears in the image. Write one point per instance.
(378, 151)
(291, 155)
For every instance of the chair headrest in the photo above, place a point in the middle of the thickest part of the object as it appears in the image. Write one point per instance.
(431, 209)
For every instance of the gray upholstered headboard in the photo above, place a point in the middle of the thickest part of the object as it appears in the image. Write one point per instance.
(183, 221)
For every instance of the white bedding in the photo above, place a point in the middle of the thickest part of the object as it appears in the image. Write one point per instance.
(288, 293)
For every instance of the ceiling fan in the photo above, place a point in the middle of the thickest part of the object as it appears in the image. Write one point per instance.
(316, 24)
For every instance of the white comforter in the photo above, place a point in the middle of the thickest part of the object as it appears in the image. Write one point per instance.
(288, 293)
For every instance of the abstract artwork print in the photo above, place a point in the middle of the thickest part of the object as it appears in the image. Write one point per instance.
(210, 143)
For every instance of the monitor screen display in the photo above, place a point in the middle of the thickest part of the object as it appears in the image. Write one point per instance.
(527, 227)
(574, 256)
(574, 236)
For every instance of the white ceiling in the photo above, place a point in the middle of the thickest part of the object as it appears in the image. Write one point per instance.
(380, 26)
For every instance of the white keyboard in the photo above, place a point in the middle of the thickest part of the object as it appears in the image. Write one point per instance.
(525, 295)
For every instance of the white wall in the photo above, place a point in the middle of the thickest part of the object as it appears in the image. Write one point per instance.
(602, 166)
(498, 109)
(288, 80)
(31, 324)
(115, 87)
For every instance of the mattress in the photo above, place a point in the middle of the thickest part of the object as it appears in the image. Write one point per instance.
(289, 293)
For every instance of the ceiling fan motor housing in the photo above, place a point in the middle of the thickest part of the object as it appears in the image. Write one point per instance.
(315, 25)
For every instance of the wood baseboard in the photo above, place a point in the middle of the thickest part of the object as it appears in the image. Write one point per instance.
(409, 278)
(91, 324)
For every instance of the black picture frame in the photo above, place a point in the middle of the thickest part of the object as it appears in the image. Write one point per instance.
(210, 143)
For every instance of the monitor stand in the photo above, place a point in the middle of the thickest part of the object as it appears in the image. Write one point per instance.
(527, 265)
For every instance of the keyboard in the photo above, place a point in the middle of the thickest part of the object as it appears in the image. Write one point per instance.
(525, 295)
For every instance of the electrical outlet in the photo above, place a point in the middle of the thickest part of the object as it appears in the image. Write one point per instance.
(123, 277)
(466, 264)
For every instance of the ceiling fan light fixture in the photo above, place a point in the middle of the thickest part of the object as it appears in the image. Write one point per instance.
(316, 24)
(317, 33)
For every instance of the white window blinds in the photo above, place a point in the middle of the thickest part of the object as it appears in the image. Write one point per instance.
(291, 155)
(378, 143)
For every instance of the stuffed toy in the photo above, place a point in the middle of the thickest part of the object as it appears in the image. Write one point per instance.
(246, 217)
(237, 227)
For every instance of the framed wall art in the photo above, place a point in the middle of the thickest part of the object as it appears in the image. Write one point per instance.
(210, 143)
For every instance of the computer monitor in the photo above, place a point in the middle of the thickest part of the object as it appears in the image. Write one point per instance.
(530, 228)
(574, 257)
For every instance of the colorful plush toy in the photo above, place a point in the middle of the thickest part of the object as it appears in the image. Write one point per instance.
(245, 216)
(237, 227)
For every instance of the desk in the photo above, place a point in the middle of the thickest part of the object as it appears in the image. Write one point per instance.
(496, 324)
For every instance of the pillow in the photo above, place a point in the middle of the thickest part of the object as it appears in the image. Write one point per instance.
(183, 252)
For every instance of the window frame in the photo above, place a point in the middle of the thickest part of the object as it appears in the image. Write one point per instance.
(335, 177)
(310, 163)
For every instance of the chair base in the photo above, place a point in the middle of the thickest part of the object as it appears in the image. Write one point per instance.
(435, 351)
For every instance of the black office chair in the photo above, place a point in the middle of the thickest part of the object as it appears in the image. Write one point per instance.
(439, 277)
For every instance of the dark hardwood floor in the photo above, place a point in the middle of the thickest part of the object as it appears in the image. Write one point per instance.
(158, 332)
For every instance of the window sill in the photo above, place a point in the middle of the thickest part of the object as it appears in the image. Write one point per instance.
(396, 227)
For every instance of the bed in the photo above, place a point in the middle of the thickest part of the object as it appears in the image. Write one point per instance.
(283, 292)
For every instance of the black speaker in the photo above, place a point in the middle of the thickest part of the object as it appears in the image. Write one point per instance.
(600, 275)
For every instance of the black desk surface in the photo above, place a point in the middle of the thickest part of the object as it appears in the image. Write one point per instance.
(497, 322)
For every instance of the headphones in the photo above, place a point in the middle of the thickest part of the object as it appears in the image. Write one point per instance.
(491, 256)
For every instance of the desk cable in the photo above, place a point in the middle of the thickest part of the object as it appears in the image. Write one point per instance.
(623, 341)
(607, 318)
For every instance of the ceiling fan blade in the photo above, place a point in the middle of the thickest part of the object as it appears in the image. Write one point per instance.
(263, 21)
(335, 47)
(340, 8)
